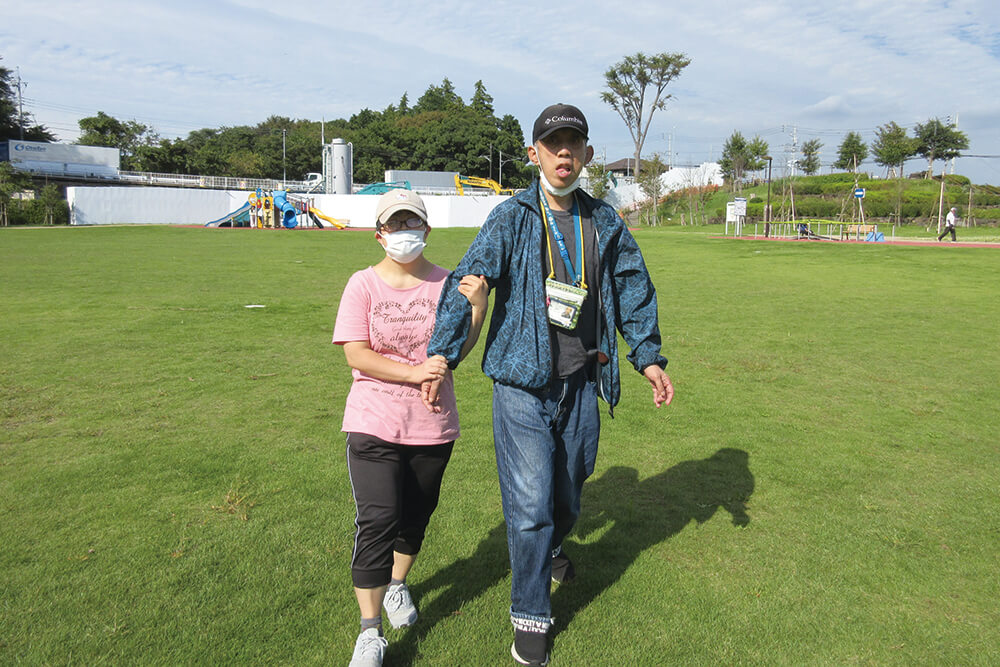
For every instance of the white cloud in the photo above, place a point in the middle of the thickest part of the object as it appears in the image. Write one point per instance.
(762, 69)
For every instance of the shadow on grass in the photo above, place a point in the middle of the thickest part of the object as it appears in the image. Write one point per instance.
(462, 581)
(637, 515)
(640, 514)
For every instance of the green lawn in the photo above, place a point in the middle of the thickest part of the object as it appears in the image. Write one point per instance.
(824, 489)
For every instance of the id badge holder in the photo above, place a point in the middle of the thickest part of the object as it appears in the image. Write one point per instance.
(564, 303)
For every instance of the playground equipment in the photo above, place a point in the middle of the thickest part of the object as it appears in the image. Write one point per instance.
(816, 230)
(287, 210)
(477, 182)
(380, 188)
(267, 209)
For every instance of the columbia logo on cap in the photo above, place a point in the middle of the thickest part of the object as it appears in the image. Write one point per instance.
(564, 119)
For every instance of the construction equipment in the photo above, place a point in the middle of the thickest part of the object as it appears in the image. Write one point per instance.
(477, 182)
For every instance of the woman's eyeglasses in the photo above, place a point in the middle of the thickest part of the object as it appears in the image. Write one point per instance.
(395, 225)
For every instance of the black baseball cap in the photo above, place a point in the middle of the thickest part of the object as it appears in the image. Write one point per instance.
(556, 117)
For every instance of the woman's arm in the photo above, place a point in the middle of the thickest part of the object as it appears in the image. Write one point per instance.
(363, 358)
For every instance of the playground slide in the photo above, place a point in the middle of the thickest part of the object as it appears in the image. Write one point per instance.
(242, 214)
(288, 211)
(319, 218)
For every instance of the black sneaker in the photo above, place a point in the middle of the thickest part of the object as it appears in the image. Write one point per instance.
(563, 571)
(530, 648)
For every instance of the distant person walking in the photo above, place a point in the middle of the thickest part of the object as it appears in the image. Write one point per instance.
(949, 224)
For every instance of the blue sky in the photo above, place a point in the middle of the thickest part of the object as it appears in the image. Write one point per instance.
(787, 71)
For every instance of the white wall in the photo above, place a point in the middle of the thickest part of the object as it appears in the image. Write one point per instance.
(678, 178)
(187, 206)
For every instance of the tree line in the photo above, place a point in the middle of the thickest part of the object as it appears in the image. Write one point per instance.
(440, 132)
(892, 147)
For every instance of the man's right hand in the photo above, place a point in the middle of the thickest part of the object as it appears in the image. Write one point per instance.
(429, 393)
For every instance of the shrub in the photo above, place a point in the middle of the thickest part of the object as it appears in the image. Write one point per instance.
(32, 212)
(980, 198)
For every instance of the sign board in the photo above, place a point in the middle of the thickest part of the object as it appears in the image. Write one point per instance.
(37, 151)
(730, 211)
(740, 206)
(859, 193)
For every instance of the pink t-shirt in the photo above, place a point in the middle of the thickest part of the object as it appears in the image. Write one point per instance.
(396, 323)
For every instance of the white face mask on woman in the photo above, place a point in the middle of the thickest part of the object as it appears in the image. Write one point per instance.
(405, 245)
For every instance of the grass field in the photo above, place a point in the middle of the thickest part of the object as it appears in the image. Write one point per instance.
(824, 489)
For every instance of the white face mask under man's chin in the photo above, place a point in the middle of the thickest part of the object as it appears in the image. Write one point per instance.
(558, 192)
(405, 245)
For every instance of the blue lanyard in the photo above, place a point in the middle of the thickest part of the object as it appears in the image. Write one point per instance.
(579, 277)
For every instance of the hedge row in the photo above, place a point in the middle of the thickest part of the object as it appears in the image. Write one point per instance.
(32, 212)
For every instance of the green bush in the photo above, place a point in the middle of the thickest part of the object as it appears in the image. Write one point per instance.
(32, 212)
(817, 208)
(841, 177)
(981, 198)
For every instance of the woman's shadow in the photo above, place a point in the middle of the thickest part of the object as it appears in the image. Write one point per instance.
(637, 514)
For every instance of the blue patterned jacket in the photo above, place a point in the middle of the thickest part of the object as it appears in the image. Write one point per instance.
(508, 251)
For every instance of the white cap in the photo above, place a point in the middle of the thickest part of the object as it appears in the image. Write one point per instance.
(399, 200)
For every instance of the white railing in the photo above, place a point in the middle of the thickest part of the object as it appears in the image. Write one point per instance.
(217, 182)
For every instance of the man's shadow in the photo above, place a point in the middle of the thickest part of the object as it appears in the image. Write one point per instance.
(640, 514)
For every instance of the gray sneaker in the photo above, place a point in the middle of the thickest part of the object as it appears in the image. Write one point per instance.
(399, 606)
(369, 649)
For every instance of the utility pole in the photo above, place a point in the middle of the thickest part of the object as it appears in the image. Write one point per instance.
(502, 161)
(20, 105)
(953, 159)
(670, 150)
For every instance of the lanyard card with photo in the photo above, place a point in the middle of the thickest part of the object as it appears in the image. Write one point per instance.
(564, 303)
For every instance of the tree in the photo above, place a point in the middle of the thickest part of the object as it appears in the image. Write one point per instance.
(740, 156)
(127, 136)
(50, 200)
(733, 162)
(11, 181)
(13, 124)
(651, 185)
(810, 156)
(938, 141)
(892, 147)
(851, 153)
(482, 102)
(627, 82)
(440, 98)
(756, 150)
(597, 179)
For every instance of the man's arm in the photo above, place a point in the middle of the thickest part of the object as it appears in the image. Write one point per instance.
(476, 290)
(638, 315)
(663, 390)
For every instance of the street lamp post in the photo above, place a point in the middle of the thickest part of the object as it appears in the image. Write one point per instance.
(283, 173)
(489, 158)
(502, 161)
(767, 209)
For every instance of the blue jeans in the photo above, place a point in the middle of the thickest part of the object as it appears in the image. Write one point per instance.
(546, 446)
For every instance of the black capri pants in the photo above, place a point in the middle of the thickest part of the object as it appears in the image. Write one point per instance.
(396, 489)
